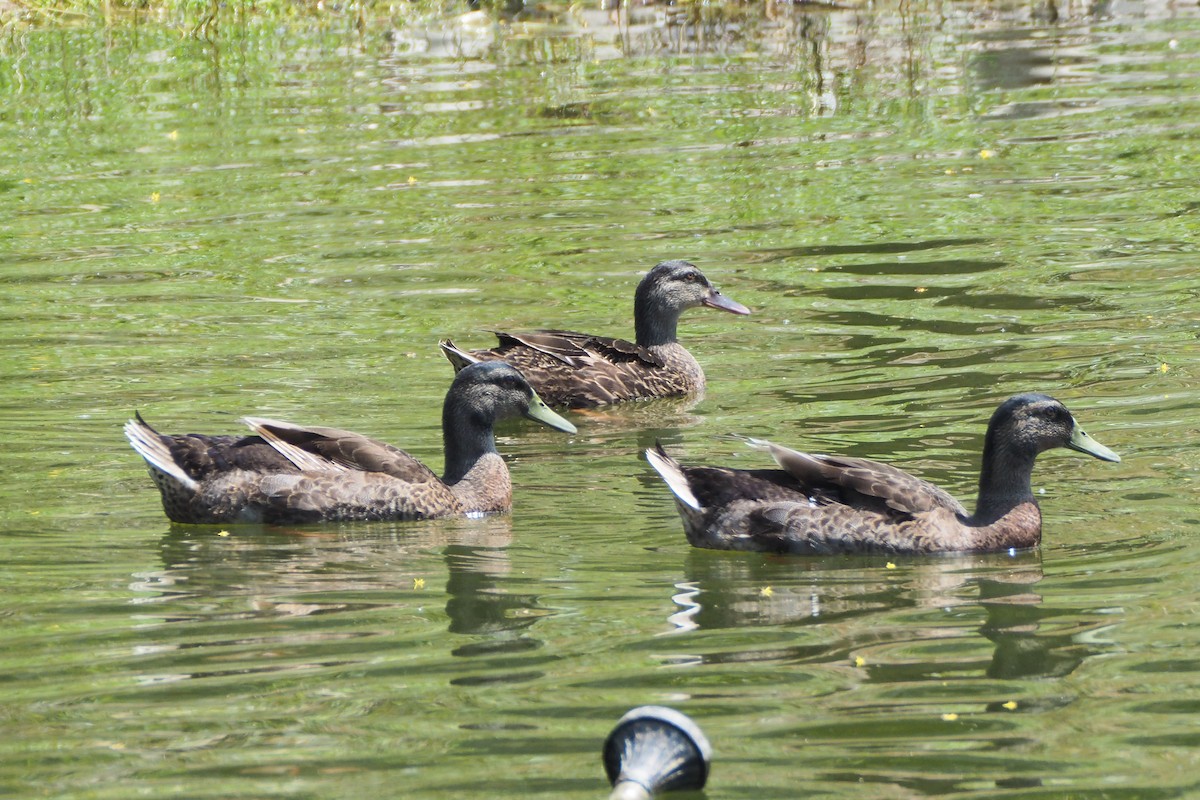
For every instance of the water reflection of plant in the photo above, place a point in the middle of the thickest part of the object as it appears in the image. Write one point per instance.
(680, 26)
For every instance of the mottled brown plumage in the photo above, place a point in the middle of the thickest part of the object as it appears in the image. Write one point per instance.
(830, 504)
(291, 473)
(583, 370)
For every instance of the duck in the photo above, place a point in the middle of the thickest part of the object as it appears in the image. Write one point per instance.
(286, 473)
(583, 370)
(825, 504)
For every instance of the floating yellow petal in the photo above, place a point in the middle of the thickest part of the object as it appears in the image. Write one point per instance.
(411, 180)
(859, 661)
(921, 290)
(1164, 368)
(173, 135)
(418, 583)
(1011, 705)
(222, 533)
(155, 197)
(986, 153)
(26, 180)
(890, 565)
(950, 717)
(766, 591)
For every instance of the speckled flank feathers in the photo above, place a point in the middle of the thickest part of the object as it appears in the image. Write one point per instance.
(582, 370)
(829, 504)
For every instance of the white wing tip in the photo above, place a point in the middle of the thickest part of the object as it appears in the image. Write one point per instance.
(780, 453)
(300, 458)
(757, 444)
(256, 423)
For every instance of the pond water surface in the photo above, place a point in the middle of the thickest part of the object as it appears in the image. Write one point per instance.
(928, 207)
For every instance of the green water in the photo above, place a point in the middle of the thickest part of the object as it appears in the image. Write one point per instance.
(928, 209)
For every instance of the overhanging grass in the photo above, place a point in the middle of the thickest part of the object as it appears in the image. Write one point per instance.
(208, 18)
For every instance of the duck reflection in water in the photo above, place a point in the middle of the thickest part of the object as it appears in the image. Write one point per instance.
(218, 578)
(480, 607)
(870, 606)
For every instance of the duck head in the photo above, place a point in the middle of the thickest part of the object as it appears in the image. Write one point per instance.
(1034, 423)
(488, 392)
(667, 291)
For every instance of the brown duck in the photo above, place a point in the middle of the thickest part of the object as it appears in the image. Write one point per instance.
(582, 370)
(289, 473)
(830, 504)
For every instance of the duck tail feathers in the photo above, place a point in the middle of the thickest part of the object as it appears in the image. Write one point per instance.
(150, 445)
(458, 358)
(670, 471)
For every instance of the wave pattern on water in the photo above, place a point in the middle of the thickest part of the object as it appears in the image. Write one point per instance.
(928, 208)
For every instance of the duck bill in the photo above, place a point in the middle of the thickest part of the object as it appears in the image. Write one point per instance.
(720, 301)
(540, 412)
(1085, 444)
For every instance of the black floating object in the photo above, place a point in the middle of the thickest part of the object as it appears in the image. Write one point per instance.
(655, 749)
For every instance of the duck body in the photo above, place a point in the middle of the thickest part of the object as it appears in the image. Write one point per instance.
(582, 370)
(818, 504)
(247, 479)
(288, 473)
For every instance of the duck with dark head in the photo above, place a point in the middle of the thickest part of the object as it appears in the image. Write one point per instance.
(833, 504)
(290, 473)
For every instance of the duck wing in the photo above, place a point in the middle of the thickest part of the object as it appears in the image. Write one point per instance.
(319, 449)
(194, 457)
(579, 349)
(862, 482)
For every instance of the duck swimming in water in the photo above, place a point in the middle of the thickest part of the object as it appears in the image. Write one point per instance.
(290, 473)
(583, 370)
(831, 504)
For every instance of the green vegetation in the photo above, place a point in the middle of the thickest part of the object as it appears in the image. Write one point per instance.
(208, 18)
(211, 19)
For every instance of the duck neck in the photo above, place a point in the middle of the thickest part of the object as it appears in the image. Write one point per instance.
(653, 322)
(466, 437)
(1004, 480)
